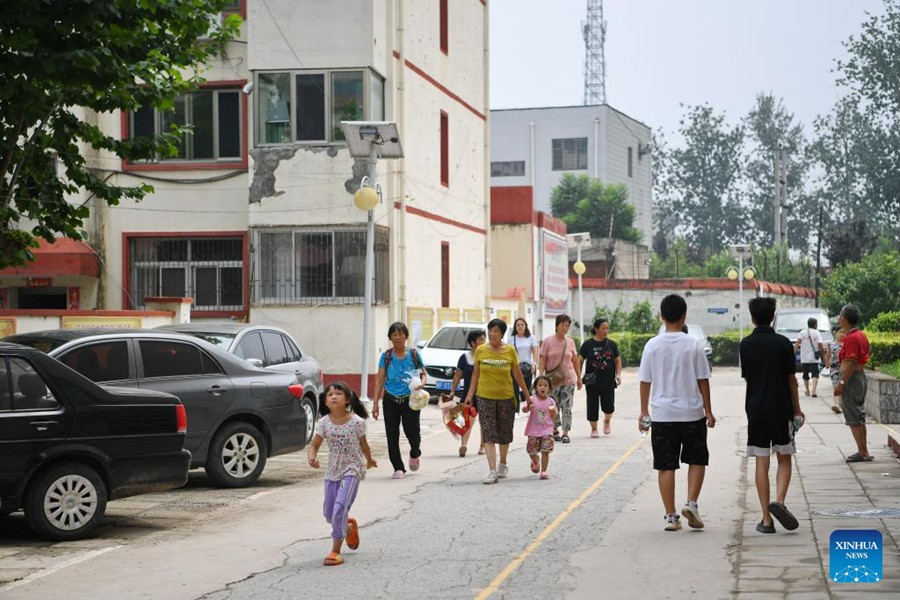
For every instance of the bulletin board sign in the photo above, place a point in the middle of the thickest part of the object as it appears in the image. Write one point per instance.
(102, 322)
(473, 315)
(505, 316)
(7, 326)
(447, 315)
(421, 324)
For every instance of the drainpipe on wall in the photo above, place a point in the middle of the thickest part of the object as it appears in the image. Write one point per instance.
(400, 307)
(596, 147)
(485, 69)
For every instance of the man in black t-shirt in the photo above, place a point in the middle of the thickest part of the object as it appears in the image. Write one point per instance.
(772, 402)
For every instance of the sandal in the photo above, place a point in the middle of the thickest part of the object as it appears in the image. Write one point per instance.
(606, 428)
(857, 457)
(565, 439)
(352, 534)
(333, 559)
(535, 467)
(836, 409)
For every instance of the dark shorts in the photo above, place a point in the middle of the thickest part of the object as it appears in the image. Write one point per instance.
(602, 398)
(810, 370)
(853, 400)
(767, 434)
(679, 440)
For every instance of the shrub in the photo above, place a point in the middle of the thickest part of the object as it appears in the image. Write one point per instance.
(631, 346)
(886, 321)
(892, 369)
(884, 348)
(725, 347)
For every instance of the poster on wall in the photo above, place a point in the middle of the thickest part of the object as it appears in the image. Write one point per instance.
(505, 316)
(421, 324)
(554, 278)
(7, 326)
(447, 315)
(473, 315)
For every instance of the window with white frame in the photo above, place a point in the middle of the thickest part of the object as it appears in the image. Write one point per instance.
(308, 106)
(508, 168)
(570, 154)
(208, 269)
(313, 265)
(214, 117)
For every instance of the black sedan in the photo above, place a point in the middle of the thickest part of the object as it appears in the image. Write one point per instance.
(265, 346)
(239, 414)
(67, 445)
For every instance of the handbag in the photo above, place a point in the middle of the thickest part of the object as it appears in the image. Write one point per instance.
(816, 353)
(527, 372)
(589, 378)
(556, 375)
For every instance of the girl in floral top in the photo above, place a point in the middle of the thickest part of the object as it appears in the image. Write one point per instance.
(343, 424)
(834, 365)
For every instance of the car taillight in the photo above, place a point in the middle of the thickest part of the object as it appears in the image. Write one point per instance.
(180, 418)
(296, 390)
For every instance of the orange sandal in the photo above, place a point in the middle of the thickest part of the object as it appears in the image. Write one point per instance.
(352, 534)
(333, 559)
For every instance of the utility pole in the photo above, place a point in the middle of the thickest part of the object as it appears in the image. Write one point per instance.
(594, 32)
(818, 254)
(779, 196)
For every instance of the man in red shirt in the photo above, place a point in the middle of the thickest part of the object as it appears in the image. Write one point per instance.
(852, 386)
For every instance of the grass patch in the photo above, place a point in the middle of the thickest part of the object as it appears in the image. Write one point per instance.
(892, 369)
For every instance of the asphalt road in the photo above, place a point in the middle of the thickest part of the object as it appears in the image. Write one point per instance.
(439, 533)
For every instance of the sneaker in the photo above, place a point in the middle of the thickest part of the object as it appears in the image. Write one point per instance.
(491, 478)
(763, 528)
(398, 474)
(413, 464)
(544, 475)
(673, 523)
(692, 514)
(502, 471)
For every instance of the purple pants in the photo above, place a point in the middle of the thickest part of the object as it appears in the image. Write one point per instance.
(339, 497)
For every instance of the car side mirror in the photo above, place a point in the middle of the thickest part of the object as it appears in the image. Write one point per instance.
(255, 362)
(421, 344)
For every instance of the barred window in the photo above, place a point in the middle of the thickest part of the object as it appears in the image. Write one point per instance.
(312, 265)
(509, 168)
(570, 154)
(209, 270)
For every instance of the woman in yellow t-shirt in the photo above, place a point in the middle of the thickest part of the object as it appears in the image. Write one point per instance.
(496, 364)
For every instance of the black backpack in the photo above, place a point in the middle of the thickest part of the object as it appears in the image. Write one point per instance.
(389, 354)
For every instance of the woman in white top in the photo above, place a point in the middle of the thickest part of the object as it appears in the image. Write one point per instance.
(526, 346)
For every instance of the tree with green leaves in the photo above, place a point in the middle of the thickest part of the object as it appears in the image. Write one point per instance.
(587, 204)
(701, 181)
(770, 127)
(873, 284)
(62, 64)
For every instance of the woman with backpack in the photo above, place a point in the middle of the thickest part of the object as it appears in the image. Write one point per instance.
(397, 366)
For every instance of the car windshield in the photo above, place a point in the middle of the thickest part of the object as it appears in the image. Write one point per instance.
(222, 340)
(697, 332)
(789, 322)
(450, 338)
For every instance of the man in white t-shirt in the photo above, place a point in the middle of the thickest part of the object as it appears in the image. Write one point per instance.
(674, 377)
(809, 342)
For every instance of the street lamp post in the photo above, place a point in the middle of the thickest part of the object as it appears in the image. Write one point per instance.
(738, 251)
(578, 240)
(370, 140)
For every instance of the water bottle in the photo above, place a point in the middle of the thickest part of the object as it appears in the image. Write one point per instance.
(646, 422)
(797, 423)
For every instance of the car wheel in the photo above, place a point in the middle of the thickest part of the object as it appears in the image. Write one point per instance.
(65, 502)
(237, 455)
(309, 409)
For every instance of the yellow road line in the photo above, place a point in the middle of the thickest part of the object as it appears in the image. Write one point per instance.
(534, 545)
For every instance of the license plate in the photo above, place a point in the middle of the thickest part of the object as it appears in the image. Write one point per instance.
(443, 385)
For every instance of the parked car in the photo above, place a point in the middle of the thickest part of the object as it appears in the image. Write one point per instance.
(239, 414)
(68, 446)
(268, 347)
(789, 322)
(696, 331)
(441, 353)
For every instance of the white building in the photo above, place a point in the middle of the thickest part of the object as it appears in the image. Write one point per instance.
(533, 147)
(255, 219)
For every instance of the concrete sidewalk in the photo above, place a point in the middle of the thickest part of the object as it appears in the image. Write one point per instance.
(729, 558)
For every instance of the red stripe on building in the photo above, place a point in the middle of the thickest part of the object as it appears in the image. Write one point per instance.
(433, 217)
(440, 86)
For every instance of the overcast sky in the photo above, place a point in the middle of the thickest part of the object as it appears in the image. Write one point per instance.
(662, 53)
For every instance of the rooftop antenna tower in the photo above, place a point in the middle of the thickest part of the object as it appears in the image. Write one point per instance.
(594, 31)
